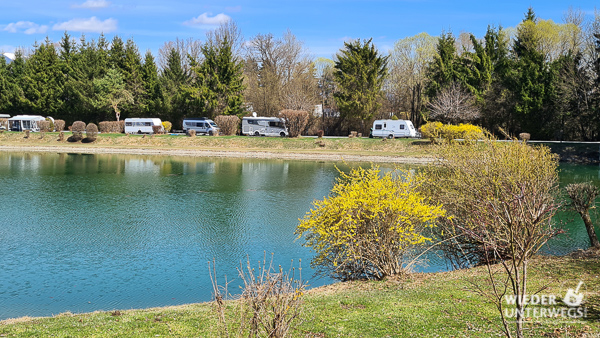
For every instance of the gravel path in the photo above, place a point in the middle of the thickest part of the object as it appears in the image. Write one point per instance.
(223, 153)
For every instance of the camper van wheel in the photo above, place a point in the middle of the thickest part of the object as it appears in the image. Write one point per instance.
(139, 132)
(282, 134)
(256, 133)
(390, 136)
(210, 133)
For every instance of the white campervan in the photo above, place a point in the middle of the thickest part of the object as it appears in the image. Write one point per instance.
(201, 125)
(264, 126)
(393, 128)
(142, 125)
(25, 122)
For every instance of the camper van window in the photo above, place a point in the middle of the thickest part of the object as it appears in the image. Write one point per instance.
(385, 125)
(401, 126)
(148, 124)
(378, 127)
(275, 124)
(200, 124)
(252, 122)
(128, 124)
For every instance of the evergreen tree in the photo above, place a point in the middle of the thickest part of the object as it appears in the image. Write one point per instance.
(77, 88)
(117, 54)
(359, 72)
(153, 96)
(531, 82)
(132, 72)
(172, 78)
(444, 70)
(218, 86)
(43, 81)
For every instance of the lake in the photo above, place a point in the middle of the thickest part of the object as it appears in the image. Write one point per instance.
(83, 232)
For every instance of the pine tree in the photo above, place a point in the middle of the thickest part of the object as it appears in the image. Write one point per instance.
(218, 86)
(153, 95)
(531, 82)
(172, 78)
(359, 72)
(43, 81)
(444, 70)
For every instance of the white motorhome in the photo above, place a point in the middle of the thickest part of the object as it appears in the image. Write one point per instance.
(25, 122)
(393, 128)
(264, 126)
(201, 125)
(142, 125)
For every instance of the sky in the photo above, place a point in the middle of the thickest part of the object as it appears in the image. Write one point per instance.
(322, 26)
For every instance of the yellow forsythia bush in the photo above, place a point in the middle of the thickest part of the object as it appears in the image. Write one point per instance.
(167, 126)
(436, 131)
(367, 225)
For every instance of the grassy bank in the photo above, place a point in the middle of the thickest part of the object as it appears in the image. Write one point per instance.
(432, 305)
(354, 146)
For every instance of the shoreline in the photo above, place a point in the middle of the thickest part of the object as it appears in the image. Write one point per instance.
(233, 153)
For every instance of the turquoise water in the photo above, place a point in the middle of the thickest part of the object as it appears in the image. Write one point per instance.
(82, 233)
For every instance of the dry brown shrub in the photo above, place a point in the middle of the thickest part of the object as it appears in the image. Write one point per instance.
(295, 121)
(158, 129)
(114, 127)
(191, 133)
(525, 136)
(77, 128)
(271, 303)
(27, 133)
(228, 124)
(61, 136)
(45, 126)
(91, 132)
(59, 125)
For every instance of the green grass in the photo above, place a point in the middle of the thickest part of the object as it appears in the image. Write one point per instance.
(430, 305)
(396, 147)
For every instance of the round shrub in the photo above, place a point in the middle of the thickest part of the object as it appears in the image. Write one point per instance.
(77, 128)
(59, 125)
(91, 132)
(167, 126)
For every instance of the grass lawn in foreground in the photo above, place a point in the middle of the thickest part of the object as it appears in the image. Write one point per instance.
(420, 305)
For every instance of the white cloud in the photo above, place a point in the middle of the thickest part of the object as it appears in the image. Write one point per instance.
(92, 24)
(26, 27)
(204, 20)
(93, 4)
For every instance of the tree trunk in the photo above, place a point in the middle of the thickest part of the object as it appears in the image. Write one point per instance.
(589, 226)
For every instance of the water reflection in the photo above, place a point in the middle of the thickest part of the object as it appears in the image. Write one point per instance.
(99, 232)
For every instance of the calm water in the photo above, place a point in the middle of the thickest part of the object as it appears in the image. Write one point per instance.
(100, 232)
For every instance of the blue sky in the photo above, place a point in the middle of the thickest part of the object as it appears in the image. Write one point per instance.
(322, 25)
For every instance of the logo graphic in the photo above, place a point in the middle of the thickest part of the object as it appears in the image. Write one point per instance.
(572, 297)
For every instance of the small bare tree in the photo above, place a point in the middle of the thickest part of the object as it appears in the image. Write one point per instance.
(454, 104)
(583, 198)
(501, 198)
(271, 303)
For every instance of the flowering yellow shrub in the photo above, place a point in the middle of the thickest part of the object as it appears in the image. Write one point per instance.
(436, 131)
(167, 126)
(367, 224)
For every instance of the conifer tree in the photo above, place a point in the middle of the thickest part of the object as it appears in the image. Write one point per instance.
(218, 86)
(43, 81)
(153, 95)
(359, 72)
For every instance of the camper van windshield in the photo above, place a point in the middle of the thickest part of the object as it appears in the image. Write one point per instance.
(212, 124)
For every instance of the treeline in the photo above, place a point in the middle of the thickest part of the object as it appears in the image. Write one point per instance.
(540, 78)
